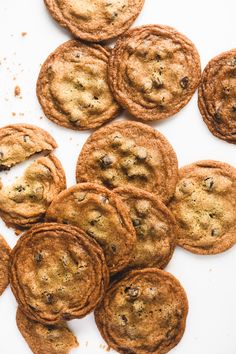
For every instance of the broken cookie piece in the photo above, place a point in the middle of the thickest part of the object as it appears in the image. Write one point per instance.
(20, 141)
(43, 339)
(25, 202)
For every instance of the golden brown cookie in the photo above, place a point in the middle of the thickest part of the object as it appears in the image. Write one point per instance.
(57, 273)
(154, 71)
(73, 87)
(20, 141)
(129, 153)
(25, 202)
(145, 312)
(95, 20)
(217, 96)
(102, 215)
(43, 339)
(154, 225)
(204, 206)
(5, 252)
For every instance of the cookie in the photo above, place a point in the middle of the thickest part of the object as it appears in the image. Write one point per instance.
(154, 71)
(57, 273)
(217, 96)
(127, 153)
(73, 87)
(154, 225)
(4, 263)
(204, 206)
(25, 202)
(43, 339)
(102, 215)
(20, 141)
(145, 312)
(95, 20)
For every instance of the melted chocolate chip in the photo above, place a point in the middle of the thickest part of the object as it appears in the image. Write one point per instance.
(136, 222)
(158, 57)
(124, 319)
(184, 82)
(49, 298)
(217, 117)
(113, 249)
(25, 138)
(105, 161)
(233, 110)
(38, 257)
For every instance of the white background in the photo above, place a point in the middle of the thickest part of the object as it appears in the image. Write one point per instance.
(209, 280)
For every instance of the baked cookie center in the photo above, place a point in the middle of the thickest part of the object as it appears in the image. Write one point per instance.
(157, 72)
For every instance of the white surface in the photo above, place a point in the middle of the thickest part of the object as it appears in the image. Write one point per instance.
(209, 281)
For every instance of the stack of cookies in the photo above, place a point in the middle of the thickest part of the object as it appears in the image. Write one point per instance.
(102, 244)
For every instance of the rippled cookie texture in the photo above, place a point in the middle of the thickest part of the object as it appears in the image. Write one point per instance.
(217, 96)
(145, 312)
(95, 20)
(127, 153)
(57, 273)
(154, 71)
(205, 207)
(73, 87)
(102, 215)
(20, 141)
(43, 339)
(5, 252)
(154, 225)
(25, 202)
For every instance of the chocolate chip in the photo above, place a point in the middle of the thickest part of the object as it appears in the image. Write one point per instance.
(25, 138)
(184, 82)
(209, 183)
(49, 298)
(113, 249)
(158, 57)
(38, 257)
(1, 155)
(132, 292)
(106, 161)
(136, 222)
(215, 232)
(124, 319)
(66, 316)
(217, 117)
(233, 110)
(20, 189)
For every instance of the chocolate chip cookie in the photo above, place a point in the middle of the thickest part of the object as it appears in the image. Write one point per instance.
(154, 225)
(102, 215)
(217, 96)
(57, 273)
(95, 20)
(43, 339)
(129, 153)
(73, 87)
(25, 202)
(20, 141)
(154, 71)
(205, 207)
(145, 312)
(4, 263)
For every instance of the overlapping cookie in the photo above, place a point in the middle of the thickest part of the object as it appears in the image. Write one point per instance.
(204, 206)
(102, 215)
(217, 96)
(20, 141)
(4, 264)
(25, 202)
(154, 225)
(57, 273)
(95, 20)
(43, 339)
(145, 312)
(73, 87)
(154, 71)
(127, 153)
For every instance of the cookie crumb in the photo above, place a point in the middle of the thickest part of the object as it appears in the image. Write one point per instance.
(13, 113)
(17, 91)
(23, 34)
